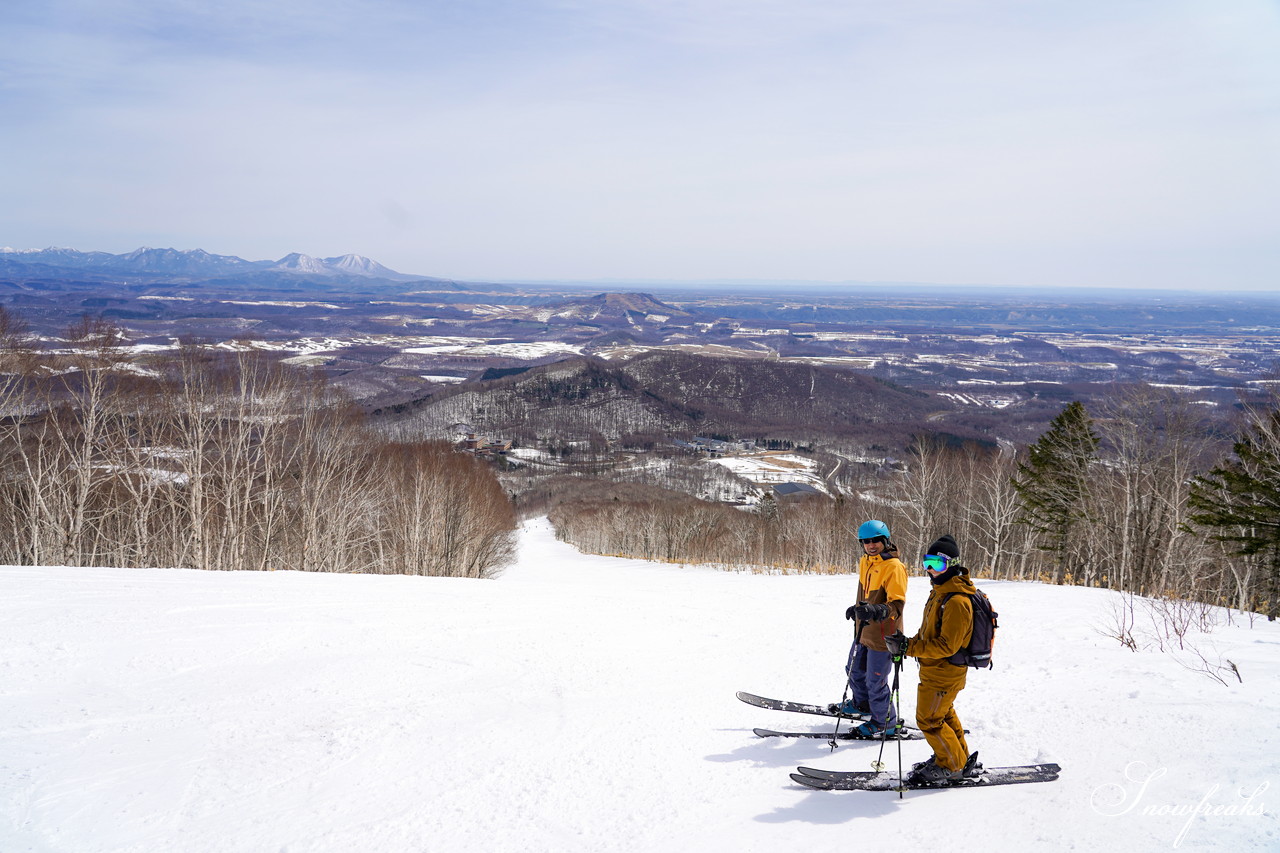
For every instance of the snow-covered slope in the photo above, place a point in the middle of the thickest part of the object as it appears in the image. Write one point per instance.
(580, 704)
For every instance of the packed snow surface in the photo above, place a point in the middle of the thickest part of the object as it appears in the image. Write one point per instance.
(582, 703)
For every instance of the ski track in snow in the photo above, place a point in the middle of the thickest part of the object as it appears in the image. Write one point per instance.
(579, 703)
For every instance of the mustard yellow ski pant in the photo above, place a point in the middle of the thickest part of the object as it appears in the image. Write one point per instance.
(936, 718)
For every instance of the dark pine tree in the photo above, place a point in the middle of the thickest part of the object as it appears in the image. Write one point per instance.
(1239, 502)
(1053, 487)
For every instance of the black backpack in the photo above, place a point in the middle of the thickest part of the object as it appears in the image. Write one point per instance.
(978, 652)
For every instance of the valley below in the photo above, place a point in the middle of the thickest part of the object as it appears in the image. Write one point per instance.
(552, 379)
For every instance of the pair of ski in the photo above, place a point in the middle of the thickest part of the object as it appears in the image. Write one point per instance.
(836, 780)
(905, 733)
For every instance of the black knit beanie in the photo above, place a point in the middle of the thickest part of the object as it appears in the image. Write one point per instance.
(944, 545)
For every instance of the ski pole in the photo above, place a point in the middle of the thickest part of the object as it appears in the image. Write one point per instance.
(844, 697)
(897, 705)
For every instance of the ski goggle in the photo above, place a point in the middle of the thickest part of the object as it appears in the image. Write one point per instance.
(935, 562)
(872, 539)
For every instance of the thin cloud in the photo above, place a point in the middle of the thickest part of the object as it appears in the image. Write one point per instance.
(954, 141)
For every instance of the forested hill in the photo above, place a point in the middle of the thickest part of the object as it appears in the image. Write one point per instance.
(673, 394)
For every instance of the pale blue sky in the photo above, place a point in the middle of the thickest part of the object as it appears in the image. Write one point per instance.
(1119, 143)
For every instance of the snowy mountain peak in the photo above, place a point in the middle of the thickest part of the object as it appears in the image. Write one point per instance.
(358, 265)
(176, 261)
(298, 262)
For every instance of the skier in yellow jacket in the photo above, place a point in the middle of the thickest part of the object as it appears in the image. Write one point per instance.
(943, 632)
(882, 592)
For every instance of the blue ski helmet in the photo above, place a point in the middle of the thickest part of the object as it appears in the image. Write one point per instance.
(872, 529)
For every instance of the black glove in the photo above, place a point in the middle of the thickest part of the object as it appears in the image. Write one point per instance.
(864, 612)
(897, 644)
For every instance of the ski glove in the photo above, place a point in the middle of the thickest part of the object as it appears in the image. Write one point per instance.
(864, 612)
(897, 643)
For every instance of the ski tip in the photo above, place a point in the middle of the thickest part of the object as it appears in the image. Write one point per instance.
(810, 782)
(812, 772)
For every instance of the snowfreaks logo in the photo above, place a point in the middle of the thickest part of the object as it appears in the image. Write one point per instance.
(1114, 800)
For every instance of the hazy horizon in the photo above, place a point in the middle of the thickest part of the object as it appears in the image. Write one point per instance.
(795, 287)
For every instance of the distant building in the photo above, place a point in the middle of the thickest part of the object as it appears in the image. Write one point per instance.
(716, 446)
(794, 490)
(481, 446)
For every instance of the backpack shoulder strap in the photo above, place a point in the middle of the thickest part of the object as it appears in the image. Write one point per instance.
(945, 599)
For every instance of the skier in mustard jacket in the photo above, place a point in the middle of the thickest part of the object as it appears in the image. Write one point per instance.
(882, 592)
(940, 679)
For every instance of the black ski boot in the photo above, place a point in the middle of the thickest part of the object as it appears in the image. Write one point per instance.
(920, 765)
(933, 774)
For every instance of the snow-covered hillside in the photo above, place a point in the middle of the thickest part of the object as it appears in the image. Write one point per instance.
(581, 704)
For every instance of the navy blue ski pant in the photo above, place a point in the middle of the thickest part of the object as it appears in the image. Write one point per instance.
(869, 673)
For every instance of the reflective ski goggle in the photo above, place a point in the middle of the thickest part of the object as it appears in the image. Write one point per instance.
(872, 539)
(935, 562)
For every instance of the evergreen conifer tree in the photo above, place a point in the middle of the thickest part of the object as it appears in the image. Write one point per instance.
(1240, 501)
(1053, 485)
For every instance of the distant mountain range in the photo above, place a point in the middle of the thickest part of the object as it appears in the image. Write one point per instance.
(193, 264)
